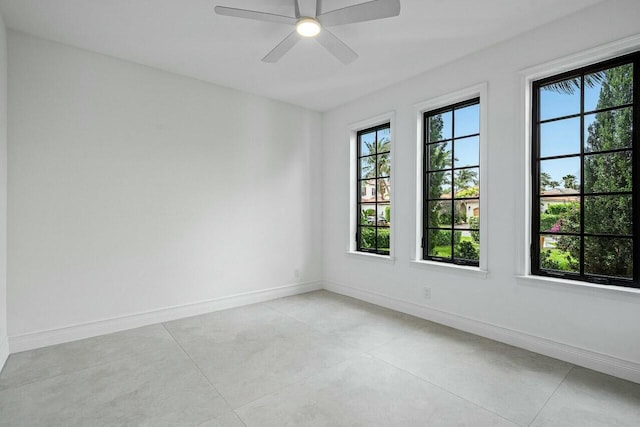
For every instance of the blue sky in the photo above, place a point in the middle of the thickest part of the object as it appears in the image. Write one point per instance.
(563, 136)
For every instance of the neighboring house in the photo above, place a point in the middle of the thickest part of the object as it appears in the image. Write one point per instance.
(557, 196)
(368, 195)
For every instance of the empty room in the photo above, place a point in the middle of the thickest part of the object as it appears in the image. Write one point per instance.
(252, 213)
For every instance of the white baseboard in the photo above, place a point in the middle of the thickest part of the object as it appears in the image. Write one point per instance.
(35, 340)
(4, 351)
(578, 356)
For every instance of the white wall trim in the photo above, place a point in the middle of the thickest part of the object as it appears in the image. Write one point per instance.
(4, 351)
(526, 77)
(35, 340)
(353, 182)
(480, 90)
(597, 361)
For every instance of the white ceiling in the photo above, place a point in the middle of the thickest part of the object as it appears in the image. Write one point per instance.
(187, 37)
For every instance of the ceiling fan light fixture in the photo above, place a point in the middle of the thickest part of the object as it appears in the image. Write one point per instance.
(308, 27)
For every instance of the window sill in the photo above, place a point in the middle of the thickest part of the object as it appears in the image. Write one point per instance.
(574, 284)
(451, 268)
(371, 257)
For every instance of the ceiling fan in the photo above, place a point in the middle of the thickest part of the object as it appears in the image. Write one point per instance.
(310, 23)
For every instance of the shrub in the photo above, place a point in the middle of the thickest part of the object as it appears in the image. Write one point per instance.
(546, 262)
(474, 222)
(387, 213)
(440, 238)
(547, 221)
(466, 250)
(383, 238)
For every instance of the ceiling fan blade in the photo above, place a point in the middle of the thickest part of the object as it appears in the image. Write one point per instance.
(307, 7)
(336, 47)
(375, 9)
(253, 14)
(283, 47)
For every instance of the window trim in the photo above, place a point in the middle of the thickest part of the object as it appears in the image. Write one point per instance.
(522, 189)
(477, 91)
(353, 129)
(580, 276)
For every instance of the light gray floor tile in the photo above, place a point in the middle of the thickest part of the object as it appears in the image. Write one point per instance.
(152, 389)
(512, 382)
(359, 324)
(230, 419)
(365, 392)
(251, 351)
(587, 398)
(26, 367)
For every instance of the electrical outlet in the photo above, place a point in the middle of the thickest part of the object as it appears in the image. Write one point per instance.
(426, 292)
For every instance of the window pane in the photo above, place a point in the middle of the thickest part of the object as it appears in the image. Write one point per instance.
(463, 210)
(608, 215)
(560, 176)
(367, 237)
(439, 215)
(466, 248)
(383, 239)
(609, 130)
(560, 99)
(467, 152)
(384, 164)
(561, 253)
(439, 156)
(467, 120)
(384, 190)
(439, 185)
(367, 143)
(560, 137)
(368, 167)
(368, 214)
(560, 214)
(384, 214)
(466, 182)
(606, 256)
(440, 127)
(608, 88)
(368, 191)
(607, 172)
(384, 140)
(440, 243)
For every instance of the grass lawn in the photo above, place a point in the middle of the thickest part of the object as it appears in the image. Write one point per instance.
(445, 251)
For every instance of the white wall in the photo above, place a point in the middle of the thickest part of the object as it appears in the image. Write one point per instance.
(4, 346)
(132, 190)
(605, 322)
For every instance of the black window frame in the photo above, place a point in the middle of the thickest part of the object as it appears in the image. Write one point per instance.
(425, 181)
(536, 159)
(358, 238)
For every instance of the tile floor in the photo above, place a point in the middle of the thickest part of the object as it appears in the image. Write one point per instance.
(317, 359)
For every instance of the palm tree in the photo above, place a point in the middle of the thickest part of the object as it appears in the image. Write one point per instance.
(466, 178)
(378, 165)
(569, 182)
(545, 180)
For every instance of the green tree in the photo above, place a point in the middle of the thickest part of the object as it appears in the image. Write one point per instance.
(608, 173)
(439, 158)
(605, 173)
(382, 161)
(466, 178)
(545, 181)
(570, 182)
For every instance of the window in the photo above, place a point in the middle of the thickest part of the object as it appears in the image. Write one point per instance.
(586, 172)
(451, 183)
(373, 228)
